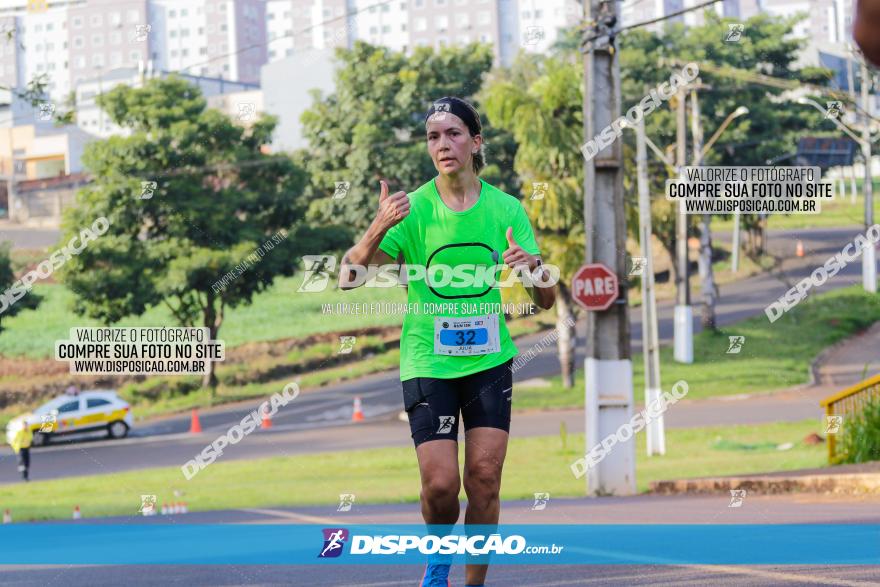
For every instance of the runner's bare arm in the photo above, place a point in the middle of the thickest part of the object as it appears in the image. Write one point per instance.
(392, 210)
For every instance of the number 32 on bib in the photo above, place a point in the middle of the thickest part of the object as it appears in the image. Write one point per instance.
(473, 335)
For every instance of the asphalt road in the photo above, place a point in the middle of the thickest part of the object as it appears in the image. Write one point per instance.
(646, 509)
(322, 413)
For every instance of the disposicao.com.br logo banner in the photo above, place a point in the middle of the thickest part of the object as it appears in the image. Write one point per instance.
(153, 541)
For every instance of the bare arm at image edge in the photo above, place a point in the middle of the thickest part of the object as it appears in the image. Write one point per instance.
(866, 29)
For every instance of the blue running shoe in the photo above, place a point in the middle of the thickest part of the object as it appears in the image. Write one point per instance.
(436, 575)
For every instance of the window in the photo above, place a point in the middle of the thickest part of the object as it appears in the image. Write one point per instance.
(403, 27)
(172, 14)
(172, 34)
(373, 30)
(184, 52)
(483, 17)
(94, 402)
(97, 41)
(38, 28)
(96, 20)
(386, 7)
(464, 39)
(538, 14)
(419, 3)
(134, 16)
(174, 52)
(289, 52)
(184, 12)
(134, 56)
(223, 28)
(421, 24)
(115, 38)
(39, 67)
(386, 29)
(116, 59)
(184, 32)
(442, 22)
(98, 60)
(80, 62)
(78, 42)
(77, 22)
(49, 26)
(50, 46)
(39, 47)
(270, 16)
(204, 51)
(440, 2)
(201, 31)
(69, 407)
(115, 18)
(462, 20)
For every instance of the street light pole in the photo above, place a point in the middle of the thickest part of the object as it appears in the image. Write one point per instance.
(684, 316)
(656, 437)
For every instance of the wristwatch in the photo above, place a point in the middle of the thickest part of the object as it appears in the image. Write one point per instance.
(538, 266)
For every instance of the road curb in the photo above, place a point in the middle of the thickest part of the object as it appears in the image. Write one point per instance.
(848, 484)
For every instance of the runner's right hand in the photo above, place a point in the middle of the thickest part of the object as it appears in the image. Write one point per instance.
(392, 209)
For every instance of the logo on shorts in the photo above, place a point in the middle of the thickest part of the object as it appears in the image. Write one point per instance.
(334, 539)
(446, 424)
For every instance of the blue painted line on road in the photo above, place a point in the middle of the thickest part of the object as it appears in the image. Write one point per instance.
(569, 544)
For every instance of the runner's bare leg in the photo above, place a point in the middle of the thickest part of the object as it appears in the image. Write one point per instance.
(485, 450)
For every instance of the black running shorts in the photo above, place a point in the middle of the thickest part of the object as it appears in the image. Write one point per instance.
(481, 399)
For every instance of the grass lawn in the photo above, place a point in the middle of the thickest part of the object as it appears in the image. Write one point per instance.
(280, 312)
(390, 475)
(774, 356)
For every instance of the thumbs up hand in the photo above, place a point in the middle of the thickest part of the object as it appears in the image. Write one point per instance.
(392, 209)
(515, 255)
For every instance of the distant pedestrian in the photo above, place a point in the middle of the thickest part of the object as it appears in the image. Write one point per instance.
(21, 445)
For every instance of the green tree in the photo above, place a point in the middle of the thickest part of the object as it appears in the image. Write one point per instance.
(217, 198)
(769, 129)
(30, 301)
(539, 101)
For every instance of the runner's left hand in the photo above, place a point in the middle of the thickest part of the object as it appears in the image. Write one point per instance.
(515, 255)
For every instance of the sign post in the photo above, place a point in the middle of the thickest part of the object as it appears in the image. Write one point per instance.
(608, 385)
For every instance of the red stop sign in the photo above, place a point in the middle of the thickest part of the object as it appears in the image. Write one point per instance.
(594, 287)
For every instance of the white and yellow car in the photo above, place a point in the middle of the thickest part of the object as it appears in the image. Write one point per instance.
(87, 411)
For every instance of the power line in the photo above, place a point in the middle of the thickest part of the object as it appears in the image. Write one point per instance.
(613, 33)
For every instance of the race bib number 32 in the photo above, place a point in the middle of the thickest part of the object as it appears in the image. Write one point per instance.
(473, 335)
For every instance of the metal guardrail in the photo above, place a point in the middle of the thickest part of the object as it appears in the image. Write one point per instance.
(849, 402)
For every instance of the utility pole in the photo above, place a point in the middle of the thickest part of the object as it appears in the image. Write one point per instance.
(607, 367)
(684, 315)
(869, 257)
(656, 435)
(707, 275)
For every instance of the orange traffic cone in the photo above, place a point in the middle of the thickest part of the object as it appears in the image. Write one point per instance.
(76, 514)
(267, 419)
(7, 517)
(799, 249)
(358, 414)
(195, 427)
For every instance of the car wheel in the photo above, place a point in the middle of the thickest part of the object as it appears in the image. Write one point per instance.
(40, 439)
(118, 429)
